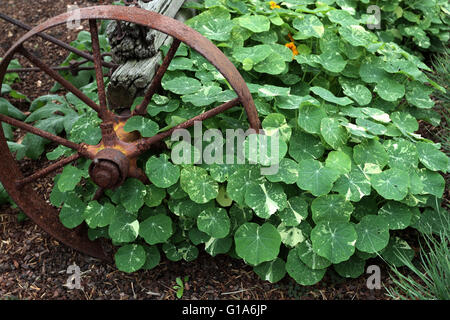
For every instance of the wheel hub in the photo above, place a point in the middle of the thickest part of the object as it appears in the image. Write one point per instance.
(109, 168)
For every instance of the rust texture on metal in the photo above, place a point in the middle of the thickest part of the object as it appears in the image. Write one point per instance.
(103, 111)
(46, 171)
(57, 77)
(109, 169)
(39, 132)
(55, 41)
(115, 157)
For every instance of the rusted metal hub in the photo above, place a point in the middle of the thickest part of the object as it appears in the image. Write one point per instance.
(109, 168)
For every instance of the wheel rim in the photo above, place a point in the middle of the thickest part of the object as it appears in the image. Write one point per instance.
(19, 188)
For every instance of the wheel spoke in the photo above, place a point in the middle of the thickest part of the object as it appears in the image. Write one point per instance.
(141, 109)
(144, 144)
(103, 113)
(46, 171)
(66, 84)
(41, 133)
(55, 41)
(98, 194)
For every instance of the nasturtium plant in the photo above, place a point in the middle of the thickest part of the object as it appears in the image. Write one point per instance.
(342, 102)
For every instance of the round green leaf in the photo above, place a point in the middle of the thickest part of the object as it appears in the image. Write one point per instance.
(402, 153)
(290, 236)
(352, 268)
(161, 172)
(307, 255)
(315, 177)
(255, 23)
(373, 234)
(214, 24)
(124, 227)
(433, 221)
(198, 184)
(431, 157)
(304, 146)
(287, 172)
(273, 64)
(154, 196)
(334, 241)
(256, 244)
(188, 251)
(222, 198)
(153, 257)
(264, 150)
(391, 184)
(182, 85)
(276, 123)
(146, 127)
(130, 258)
(240, 181)
(331, 207)
(330, 97)
(333, 133)
(390, 90)
(207, 95)
(357, 36)
(265, 198)
(396, 251)
(418, 95)
(372, 127)
(256, 53)
(341, 17)
(132, 194)
(309, 26)
(97, 215)
(357, 92)
(156, 229)
(214, 222)
(354, 185)
(310, 117)
(404, 121)
(69, 178)
(339, 161)
(371, 70)
(370, 152)
(71, 214)
(272, 271)
(397, 215)
(432, 182)
(332, 61)
(239, 215)
(218, 246)
(171, 252)
(295, 212)
(300, 272)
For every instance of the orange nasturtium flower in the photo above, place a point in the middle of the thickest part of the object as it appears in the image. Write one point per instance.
(273, 5)
(293, 48)
(291, 45)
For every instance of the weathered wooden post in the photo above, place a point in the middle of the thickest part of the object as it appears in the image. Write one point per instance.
(136, 49)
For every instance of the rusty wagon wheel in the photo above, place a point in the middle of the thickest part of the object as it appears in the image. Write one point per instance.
(115, 156)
